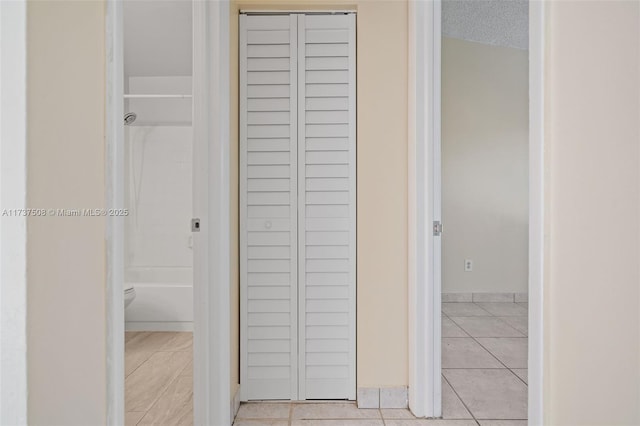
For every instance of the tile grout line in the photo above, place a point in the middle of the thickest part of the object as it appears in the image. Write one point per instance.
(474, 339)
(485, 337)
(515, 316)
(134, 370)
(180, 374)
(489, 337)
(164, 391)
(524, 335)
(125, 353)
(141, 364)
(505, 365)
(292, 405)
(491, 353)
(152, 353)
(486, 310)
(140, 419)
(479, 368)
(521, 379)
(460, 398)
(490, 313)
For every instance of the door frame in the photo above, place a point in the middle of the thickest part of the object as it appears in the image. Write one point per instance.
(13, 229)
(537, 183)
(212, 394)
(114, 188)
(211, 190)
(425, 393)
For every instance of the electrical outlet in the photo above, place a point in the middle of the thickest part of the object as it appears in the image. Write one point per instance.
(468, 265)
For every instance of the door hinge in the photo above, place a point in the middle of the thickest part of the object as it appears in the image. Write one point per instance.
(437, 228)
(195, 225)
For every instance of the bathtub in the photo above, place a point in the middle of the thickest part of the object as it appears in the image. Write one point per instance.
(164, 299)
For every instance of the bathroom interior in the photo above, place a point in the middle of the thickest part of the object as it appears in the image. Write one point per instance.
(158, 194)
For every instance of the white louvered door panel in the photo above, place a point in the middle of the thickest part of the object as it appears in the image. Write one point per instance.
(268, 207)
(327, 206)
(297, 206)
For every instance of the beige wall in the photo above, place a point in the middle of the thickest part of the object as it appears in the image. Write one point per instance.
(592, 289)
(382, 103)
(382, 75)
(66, 256)
(485, 134)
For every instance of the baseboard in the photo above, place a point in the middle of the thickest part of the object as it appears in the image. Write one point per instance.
(384, 397)
(161, 302)
(158, 326)
(485, 297)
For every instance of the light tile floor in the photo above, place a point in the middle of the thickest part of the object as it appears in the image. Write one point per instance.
(484, 361)
(158, 378)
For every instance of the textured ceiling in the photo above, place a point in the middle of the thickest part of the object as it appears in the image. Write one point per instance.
(496, 22)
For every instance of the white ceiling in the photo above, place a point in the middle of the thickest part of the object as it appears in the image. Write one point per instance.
(157, 37)
(496, 22)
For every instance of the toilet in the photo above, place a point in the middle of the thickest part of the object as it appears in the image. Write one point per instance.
(129, 294)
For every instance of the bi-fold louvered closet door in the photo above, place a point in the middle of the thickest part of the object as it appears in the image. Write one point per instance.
(297, 206)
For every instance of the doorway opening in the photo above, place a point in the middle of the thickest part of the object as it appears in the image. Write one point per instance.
(208, 45)
(485, 210)
(158, 188)
(426, 230)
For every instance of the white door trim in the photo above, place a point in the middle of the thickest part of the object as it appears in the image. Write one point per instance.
(537, 10)
(424, 275)
(424, 139)
(115, 200)
(211, 201)
(13, 229)
(212, 400)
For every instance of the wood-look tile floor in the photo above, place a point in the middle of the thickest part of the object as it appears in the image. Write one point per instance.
(158, 378)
